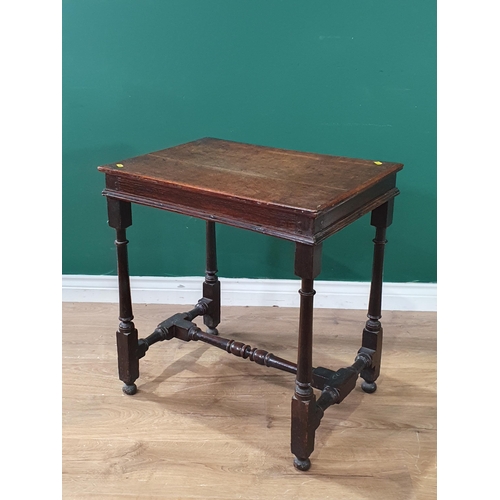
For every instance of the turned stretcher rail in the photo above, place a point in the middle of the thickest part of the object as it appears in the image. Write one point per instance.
(334, 384)
(245, 351)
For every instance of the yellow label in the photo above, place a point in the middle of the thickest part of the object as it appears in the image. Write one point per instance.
(377, 162)
(119, 165)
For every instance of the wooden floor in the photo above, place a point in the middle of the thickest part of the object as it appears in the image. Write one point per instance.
(207, 425)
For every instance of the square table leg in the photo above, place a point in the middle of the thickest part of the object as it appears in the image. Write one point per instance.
(304, 410)
(381, 219)
(211, 286)
(120, 217)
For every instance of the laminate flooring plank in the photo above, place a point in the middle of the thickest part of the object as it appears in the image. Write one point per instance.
(207, 425)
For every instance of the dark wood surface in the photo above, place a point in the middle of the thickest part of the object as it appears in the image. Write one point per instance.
(303, 197)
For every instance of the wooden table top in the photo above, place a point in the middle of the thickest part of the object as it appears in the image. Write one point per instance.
(290, 194)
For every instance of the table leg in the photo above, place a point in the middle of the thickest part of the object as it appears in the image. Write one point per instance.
(120, 217)
(381, 219)
(304, 417)
(211, 286)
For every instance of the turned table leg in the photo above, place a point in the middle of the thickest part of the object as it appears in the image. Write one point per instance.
(120, 217)
(304, 413)
(211, 286)
(381, 218)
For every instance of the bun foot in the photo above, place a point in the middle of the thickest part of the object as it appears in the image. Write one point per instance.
(302, 464)
(369, 387)
(129, 389)
(212, 331)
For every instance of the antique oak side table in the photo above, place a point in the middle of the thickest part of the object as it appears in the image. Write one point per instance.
(296, 196)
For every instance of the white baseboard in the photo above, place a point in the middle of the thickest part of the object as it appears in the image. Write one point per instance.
(250, 292)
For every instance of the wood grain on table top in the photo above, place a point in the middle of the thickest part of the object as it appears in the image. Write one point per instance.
(305, 181)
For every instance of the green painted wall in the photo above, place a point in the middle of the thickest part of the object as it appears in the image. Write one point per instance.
(344, 78)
